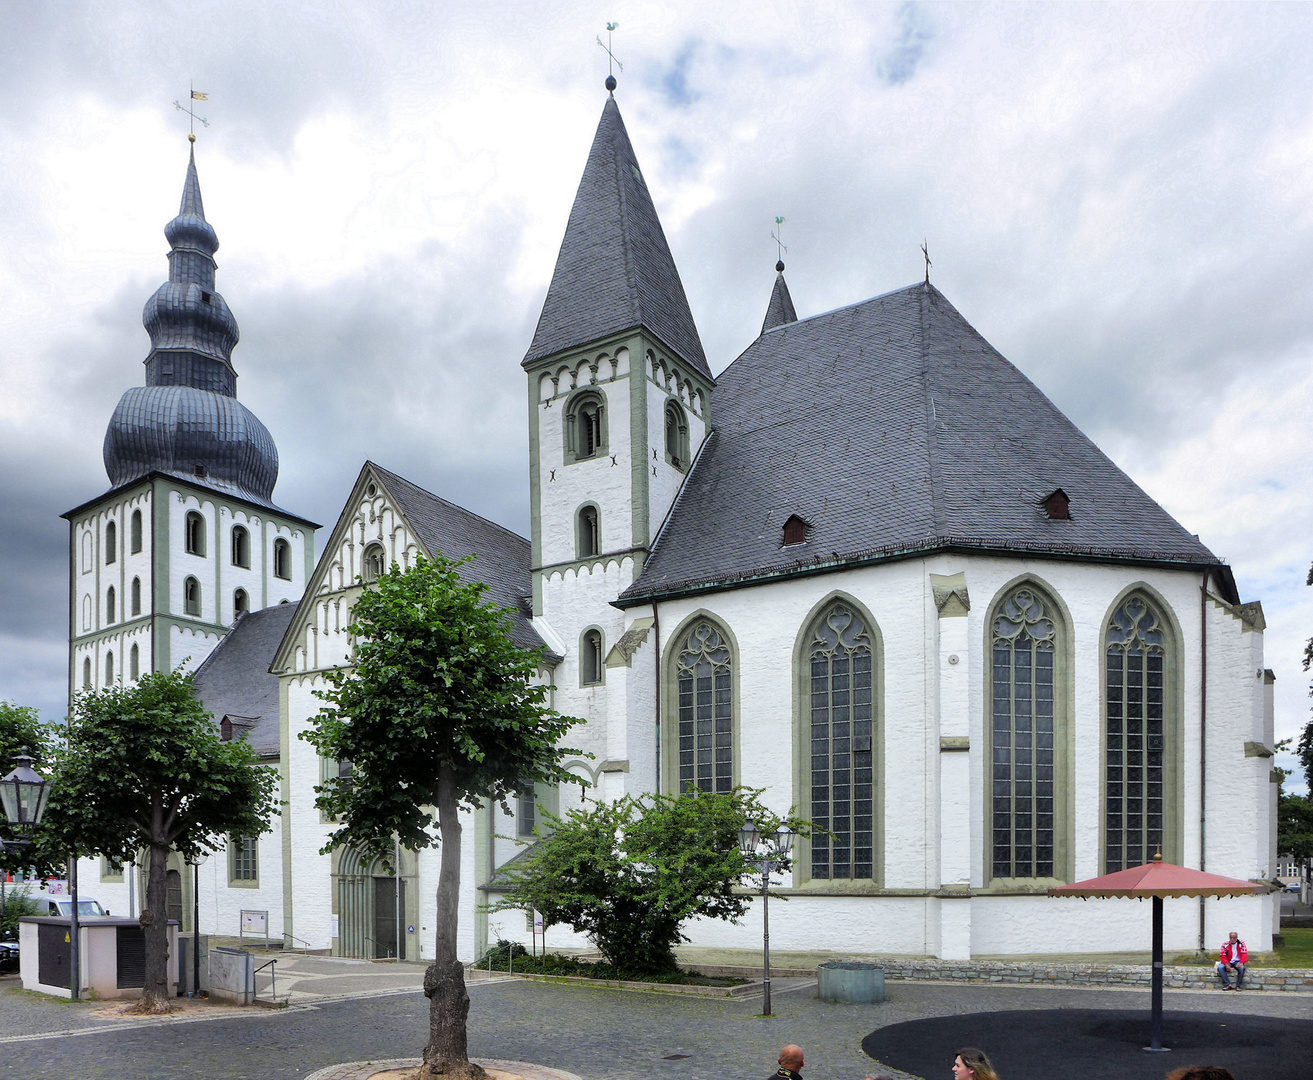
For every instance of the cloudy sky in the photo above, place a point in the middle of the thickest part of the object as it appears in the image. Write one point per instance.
(1117, 197)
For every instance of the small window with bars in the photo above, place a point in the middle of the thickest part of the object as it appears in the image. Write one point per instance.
(243, 854)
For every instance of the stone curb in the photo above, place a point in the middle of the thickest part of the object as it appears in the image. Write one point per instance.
(744, 990)
(363, 1070)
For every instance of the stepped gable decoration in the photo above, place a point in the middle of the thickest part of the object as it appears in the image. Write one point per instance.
(913, 434)
(187, 421)
(615, 272)
(1158, 880)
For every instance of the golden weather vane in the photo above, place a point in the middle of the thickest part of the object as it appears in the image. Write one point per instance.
(195, 95)
(611, 61)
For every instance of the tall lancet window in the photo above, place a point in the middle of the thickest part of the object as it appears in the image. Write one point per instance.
(705, 688)
(1023, 796)
(1135, 734)
(841, 726)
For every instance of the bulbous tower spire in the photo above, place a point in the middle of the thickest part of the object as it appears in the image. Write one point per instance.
(186, 420)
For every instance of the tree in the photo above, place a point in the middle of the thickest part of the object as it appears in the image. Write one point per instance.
(439, 708)
(630, 873)
(144, 766)
(21, 730)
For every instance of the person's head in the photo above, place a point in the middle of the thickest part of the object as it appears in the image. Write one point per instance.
(791, 1057)
(1233, 937)
(972, 1064)
(1201, 1072)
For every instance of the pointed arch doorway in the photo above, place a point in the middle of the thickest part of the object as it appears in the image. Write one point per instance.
(375, 907)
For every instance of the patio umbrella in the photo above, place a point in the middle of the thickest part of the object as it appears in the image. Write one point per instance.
(1156, 880)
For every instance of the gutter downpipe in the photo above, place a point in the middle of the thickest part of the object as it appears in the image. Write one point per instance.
(1203, 743)
(656, 634)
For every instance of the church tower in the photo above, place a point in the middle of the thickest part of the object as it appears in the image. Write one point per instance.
(186, 540)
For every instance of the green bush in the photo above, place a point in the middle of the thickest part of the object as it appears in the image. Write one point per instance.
(17, 904)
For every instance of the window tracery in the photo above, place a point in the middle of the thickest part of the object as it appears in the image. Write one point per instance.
(704, 682)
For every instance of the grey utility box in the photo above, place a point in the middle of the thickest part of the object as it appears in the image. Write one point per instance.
(850, 982)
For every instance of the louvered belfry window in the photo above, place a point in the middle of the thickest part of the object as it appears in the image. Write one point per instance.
(1135, 738)
(842, 747)
(1022, 767)
(706, 731)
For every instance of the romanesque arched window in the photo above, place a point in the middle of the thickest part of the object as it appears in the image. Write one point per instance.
(704, 682)
(111, 543)
(677, 451)
(134, 663)
(588, 532)
(134, 534)
(109, 669)
(282, 559)
(585, 426)
(1138, 735)
(241, 602)
(374, 564)
(842, 741)
(191, 596)
(590, 658)
(195, 533)
(241, 546)
(86, 674)
(136, 596)
(1024, 731)
(111, 604)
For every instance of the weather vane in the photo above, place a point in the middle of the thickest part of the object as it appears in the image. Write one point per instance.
(611, 61)
(928, 263)
(196, 95)
(780, 249)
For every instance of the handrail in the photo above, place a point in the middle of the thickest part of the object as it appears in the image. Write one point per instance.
(305, 950)
(273, 977)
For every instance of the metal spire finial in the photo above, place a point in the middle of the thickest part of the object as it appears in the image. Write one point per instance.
(611, 61)
(780, 249)
(925, 251)
(195, 95)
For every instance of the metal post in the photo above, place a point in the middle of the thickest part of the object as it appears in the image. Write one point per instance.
(1156, 1025)
(196, 929)
(765, 934)
(132, 887)
(74, 972)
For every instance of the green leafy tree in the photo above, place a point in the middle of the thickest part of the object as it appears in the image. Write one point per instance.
(630, 873)
(439, 708)
(145, 767)
(21, 730)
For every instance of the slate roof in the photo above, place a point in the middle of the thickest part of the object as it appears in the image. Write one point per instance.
(780, 309)
(614, 271)
(234, 679)
(891, 427)
(503, 557)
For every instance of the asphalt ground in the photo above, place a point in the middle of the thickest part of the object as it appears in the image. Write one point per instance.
(596, 1033)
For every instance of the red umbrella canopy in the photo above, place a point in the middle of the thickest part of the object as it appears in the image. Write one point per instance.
(1160, 878)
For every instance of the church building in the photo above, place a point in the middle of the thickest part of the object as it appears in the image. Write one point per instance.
(869, 568)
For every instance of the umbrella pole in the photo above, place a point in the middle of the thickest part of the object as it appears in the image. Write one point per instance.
(1156, 1026)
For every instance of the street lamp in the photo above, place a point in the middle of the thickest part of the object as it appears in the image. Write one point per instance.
(23, 794)
(767, 854)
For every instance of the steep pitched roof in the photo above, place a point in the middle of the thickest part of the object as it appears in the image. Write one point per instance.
(503, 558)
(614, 271)
(892, 426)
(235, 680)
(780, 309)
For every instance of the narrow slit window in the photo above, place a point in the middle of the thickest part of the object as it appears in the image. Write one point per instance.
(134, 531)
(195, 533)
(191, 596)
(111, 542)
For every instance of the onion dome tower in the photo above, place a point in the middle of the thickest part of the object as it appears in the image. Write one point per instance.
(187, 421)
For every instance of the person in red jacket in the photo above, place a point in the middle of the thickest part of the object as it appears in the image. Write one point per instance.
(1233, 956)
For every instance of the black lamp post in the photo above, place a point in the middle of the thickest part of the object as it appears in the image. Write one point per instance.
(23, 795)
(766, 854)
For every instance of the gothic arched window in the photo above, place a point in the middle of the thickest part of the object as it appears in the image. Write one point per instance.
(111, 543)
(588, 532)
(704, 679)
(374, 565)
(282, 559)
(585, 426)
(191, 596)
(241, 553)
(134, 534)
(677, 451)
(842, 735)
(1137, 735)
(1025, 639)
(195, 533)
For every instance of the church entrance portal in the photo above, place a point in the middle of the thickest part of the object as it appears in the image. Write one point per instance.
(373, 906)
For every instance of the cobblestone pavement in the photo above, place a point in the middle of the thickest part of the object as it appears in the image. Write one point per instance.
(597, 1034)
(299, 979)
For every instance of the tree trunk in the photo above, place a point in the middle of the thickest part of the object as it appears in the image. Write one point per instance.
(447, 1054)
(155, 926)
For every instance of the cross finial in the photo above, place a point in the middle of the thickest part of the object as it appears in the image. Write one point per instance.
(611, 62)
(195, 95)
(780, 249)
(926, 252)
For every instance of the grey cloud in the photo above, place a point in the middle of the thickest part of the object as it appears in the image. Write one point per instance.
(900, 60)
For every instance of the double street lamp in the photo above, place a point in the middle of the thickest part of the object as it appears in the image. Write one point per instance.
(766, 853)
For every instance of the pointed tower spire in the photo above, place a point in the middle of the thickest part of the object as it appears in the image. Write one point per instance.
(615, 272)
(780, 309)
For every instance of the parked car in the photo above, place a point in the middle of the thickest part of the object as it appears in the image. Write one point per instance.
(1292, 887)
(8, 956)
(62, 905)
